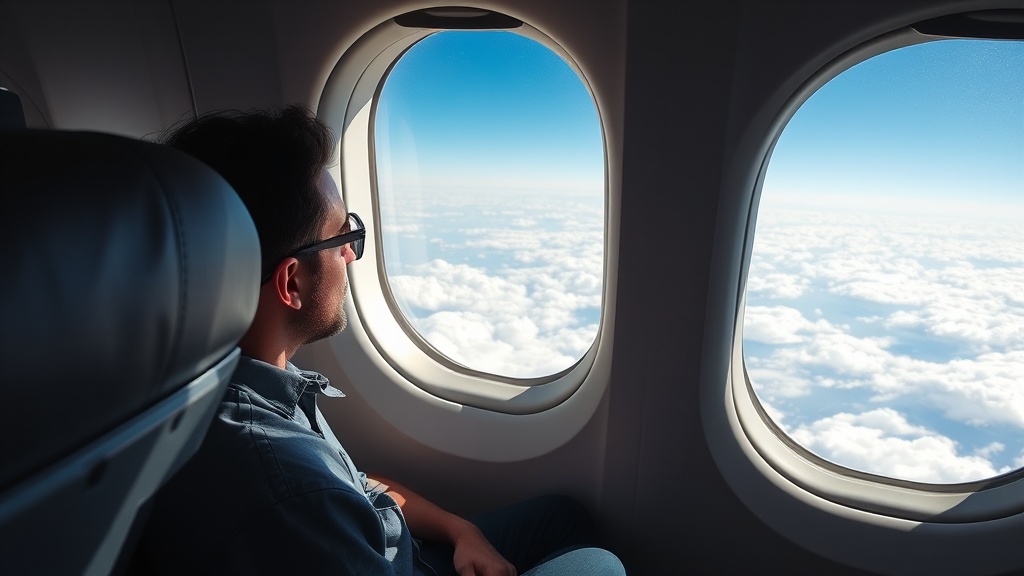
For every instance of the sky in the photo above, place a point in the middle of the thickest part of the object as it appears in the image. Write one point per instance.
(953, 111)
(491, 109)
(884, 320)
(490, 180)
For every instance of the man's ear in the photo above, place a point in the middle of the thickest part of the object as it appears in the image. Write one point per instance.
(285, 284)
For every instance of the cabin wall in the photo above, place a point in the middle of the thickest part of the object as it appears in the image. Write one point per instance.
(698, 76)
(112, 66)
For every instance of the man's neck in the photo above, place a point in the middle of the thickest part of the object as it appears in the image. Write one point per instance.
(269, 338)
(265, 350)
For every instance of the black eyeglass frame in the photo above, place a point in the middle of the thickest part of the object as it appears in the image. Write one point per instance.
(356, 237)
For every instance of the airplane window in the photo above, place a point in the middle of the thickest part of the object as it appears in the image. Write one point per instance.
(884, 321)
(490, 190)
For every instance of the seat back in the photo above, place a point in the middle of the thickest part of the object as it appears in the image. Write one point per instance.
(132, 272)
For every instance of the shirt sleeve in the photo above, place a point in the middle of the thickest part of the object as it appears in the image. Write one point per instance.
(329, 531)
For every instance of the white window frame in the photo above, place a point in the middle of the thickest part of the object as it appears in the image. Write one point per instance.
(398, 374)
(865, 520)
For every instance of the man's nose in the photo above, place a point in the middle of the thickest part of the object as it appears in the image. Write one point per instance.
(350, 254)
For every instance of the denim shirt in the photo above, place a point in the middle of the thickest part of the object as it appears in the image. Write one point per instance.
(272, 491)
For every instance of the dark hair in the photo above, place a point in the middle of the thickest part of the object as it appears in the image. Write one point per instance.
(273, 159)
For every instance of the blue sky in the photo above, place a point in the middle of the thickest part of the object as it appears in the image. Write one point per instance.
(948, 114)
(489, 109)
(884, 327)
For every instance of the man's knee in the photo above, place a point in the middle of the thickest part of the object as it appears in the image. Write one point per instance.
(581, 562)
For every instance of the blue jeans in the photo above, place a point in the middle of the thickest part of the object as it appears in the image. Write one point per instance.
(545, 536)
(580, 562)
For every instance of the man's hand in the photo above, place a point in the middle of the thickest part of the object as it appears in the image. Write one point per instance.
(474, 556)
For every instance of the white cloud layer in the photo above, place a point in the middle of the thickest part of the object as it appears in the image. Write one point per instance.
(509, 291)
(494, 324)
(850, 320)
(882, 441)
(855, 315)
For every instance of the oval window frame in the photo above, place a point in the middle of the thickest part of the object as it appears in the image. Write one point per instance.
(861, 519)
(441, 383)
(397, 374)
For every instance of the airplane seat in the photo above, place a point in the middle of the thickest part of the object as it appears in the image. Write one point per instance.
(132, 270)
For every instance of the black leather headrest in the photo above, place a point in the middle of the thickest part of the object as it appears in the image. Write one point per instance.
(128, 269)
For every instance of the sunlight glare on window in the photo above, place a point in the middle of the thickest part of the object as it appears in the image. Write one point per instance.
(490, 188)
(884, 319)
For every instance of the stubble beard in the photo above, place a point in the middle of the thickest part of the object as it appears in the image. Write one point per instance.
(318, 323)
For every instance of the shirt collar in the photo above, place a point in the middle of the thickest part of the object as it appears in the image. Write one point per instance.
(320, 382)
(282, 387)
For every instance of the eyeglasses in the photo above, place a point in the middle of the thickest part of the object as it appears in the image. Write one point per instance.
(356, 236)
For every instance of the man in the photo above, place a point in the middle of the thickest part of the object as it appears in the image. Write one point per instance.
(271, 490)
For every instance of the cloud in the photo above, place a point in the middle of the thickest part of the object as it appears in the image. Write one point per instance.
(499, 347)
(883, 442)
(778, 325)
(978, 391)
(841, 353)
(993, 448)
(771, 383)
(441, 285)
(907, 312)
(509, 288)
(777, 285)
(494, 324)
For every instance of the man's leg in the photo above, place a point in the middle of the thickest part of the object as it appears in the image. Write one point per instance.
(580, 562)
(533, 531)
(527, 534)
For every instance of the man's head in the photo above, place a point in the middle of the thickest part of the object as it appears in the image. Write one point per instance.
(276, 160)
